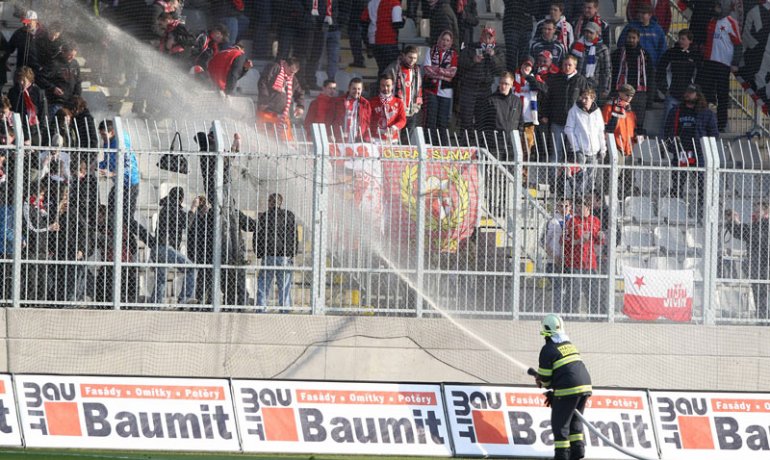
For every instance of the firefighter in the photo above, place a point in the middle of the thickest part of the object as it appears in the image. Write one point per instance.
(562, 372)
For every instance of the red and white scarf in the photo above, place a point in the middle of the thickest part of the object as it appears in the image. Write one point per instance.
(283, 84)
(30, 108)
(641, 74)
(587, 51)
(528, 97)
(351, 119)
(315, 12)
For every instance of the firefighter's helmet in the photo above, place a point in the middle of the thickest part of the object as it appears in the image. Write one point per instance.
(552, 324)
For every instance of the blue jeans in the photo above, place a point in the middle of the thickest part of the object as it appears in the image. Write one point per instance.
(332, 40)
(557, 131)
(169, 255)
(282, 277)
(235, 24)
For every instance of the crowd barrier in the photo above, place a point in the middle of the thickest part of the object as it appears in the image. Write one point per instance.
(372, 418)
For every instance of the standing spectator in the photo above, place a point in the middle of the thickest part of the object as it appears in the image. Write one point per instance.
(500, 115)
(262, 15)
(29, 101)
(632, 65)
(582, 233)
(279, 91)
(84, 193)
(231, 14)
(86, 135)
(25, 40)
(388, 112)
(553, 241)
(661, 11)
(385, 19)
(702, 12)
(594, 60)
(207, 45)
(49, 44)
(591, 14)
(755, 34)
(527, 85)
(227, 67)
(407, 75)
(721, 54)
(351, 114)
(71, 243)
(517, 22)
(545, 66)
(40, 225)
(276, 244)
(564, 33)
(61, 81)
(677, 70)
(478, 66)
(353, 9)
(620, 121)
(757, 263)
(585, 132)
(323, 32)
(293, 21)
(200, 248)
(467, 13)
(563, 91)
(173, 221)
(442, 17)
(440, 68)
(334, 21)
(319, 110)
(652, 38)
(547, 42)
(686, 125)
(109, 165)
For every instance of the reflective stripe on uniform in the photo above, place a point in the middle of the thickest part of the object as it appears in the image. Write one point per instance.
(566, 360)
(572, 391)
(561, 444)
(576, 437)
(545, 372)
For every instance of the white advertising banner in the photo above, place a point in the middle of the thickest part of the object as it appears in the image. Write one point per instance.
(126, 413)
(10, 431)
(341, 418)
(513, 422)
(712, 425)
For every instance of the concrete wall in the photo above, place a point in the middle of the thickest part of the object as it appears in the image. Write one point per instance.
(371, 348)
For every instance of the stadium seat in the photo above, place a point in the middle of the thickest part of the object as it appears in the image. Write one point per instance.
(629, 260)
(674, 211)
(343, 78)
(748, 185)
(652, 182)
(648, 152)
(249, 84)
(672, 241)
(637, 239)
(639, 210)
(664, 263)
(734, 301)
(695, 264)
(695, 238)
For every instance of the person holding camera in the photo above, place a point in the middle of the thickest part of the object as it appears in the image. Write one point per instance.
(757, 262)
(478, 66)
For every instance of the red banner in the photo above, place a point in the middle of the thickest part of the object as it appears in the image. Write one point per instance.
(651, 294)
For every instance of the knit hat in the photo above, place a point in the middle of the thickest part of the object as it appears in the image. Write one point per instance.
(627, 90)
(546, 54)
(593, 27)
(528, 60)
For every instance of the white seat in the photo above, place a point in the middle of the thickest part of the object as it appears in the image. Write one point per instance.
(639, 210)
(696, 265)
(674, 211)
(637, 239)
(736, 301)
(748, 185)
(672, 240)
(648, 152)
(409, 31)
(695, 238)
(249, 84)
(652, 182)
(664, 263)
(631, 260)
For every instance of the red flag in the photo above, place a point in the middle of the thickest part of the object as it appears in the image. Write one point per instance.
(650, 294)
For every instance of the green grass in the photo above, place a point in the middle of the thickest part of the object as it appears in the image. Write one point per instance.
(40, 454)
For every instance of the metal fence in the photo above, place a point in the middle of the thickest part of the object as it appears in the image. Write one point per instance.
(471, 225)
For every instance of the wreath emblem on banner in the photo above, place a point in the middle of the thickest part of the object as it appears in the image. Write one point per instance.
(445, 213)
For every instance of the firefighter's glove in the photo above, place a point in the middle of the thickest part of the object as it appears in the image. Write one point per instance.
(548, 398)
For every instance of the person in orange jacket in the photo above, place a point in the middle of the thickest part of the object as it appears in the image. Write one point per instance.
(620, 120)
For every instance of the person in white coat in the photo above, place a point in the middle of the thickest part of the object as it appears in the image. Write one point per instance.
(585, 132)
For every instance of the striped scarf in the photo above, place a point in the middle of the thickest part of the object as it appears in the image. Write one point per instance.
(351, 119)
(528, 97)
(586, 51)
(641, 71)
(283, 84)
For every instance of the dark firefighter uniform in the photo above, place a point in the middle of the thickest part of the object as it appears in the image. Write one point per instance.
(562, 370)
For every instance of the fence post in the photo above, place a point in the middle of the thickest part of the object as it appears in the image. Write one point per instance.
(18, 204)
(611, 239)
(117, 233)
(422, 151)
(514, 223)
(318, 286)
(710, 226)
(219, 206)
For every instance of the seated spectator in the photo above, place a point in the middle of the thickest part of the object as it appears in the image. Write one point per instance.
(594, 60)
(585, 131)
(61, 81)
(279, 91)
(651, 36)
(591, 14)
(677, 70)
(440, 68)
(173, 221)
(351, 114)
(29, 100)
(319, 110)
(478, 65)
(547, 41)
(632, 65)
(388, 112)
(227, 67)
(564, 33)
(661, 11)
(407, 78)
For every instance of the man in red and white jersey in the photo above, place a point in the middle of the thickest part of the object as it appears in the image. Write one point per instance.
(385, 19)
(388, 112)
(721, 54)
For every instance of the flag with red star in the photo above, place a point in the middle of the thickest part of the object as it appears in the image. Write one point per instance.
(651, 294)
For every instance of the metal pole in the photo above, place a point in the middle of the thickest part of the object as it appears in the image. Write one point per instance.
(18, 200)
(612, 150)
(220, 205)
(119, 185)
(710, 226)
(422, 151)
(318, 287)
(513, 223)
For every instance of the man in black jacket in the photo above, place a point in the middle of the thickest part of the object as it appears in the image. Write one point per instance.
(500, 115)
(25, 41)
(61, 81)
(276, 244)
(677, 70)
(517, 29)
(757, 264)
(478, 65)
(563, 90)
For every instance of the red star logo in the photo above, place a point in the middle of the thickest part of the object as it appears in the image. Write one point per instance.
(639, 282)
(722, 28)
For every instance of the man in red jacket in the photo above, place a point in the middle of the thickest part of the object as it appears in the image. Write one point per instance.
(388, 112)
(351, 114)
(319, 110)
(581, 234)
(229, 66)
